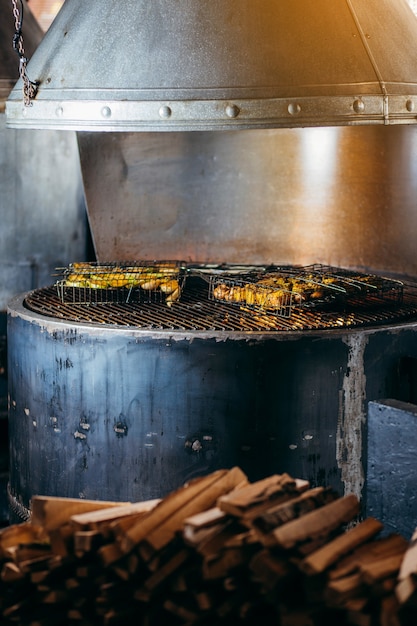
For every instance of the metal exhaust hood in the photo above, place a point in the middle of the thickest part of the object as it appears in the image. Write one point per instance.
(9, 61)
(136, 65)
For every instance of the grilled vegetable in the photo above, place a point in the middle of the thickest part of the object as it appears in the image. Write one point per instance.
(153, 277)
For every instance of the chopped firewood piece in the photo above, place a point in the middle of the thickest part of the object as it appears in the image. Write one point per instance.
(167, 569)
(220, 565)
(206, 601)
(86, 541)
(230, 583)
(40, 577)
(11, 573)
(289, 510)
(75, 615)
(378, 570)
(324, 557)
(242, 539)
(170, 506)
(303, 550)
(383, 587)
(56, 596)
(90, 571)
(51, 512)
(213, 543)
(356, 605)
(206, 536)
(179, 581)
(389, 614)
(194, 537)
(201, 526)
(28, 551)
(41, 563)
(409, 563)
(132, 562)
(119, 527)
(204, 519)
(147, 554)
(358, 618)
(268, 570)
(317, 523)
(182, 612)
(61, 540)
(203, 498)
(72, 583)
(110, 553)
(12, 611)
(372, 551)
(15, 535)
(93, 520)
(406, 590)
(251, 500)
(122, 572)
(337, 592)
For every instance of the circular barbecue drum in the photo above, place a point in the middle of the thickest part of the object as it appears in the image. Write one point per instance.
(127, 402)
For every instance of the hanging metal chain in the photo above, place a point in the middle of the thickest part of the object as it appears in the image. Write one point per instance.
(29, 87)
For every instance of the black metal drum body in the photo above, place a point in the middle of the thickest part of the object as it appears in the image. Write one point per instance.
(126, 414)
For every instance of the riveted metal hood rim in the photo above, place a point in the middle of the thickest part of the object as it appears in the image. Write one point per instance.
(205, 66)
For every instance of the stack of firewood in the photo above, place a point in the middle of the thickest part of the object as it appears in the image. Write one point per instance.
(219, 550)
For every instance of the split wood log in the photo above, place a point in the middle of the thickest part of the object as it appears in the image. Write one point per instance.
(338, 591)
(52, 512)
(160, 524)
(376, 571)
(324, 557)
(369, 552)
(318, 523)
(409, 562)
(165, 532)
(97, 519)
(296, 507)
(250, 501)
(406, 591)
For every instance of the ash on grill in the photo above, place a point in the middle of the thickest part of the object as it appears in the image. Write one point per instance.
(103, 283)
(278, 290)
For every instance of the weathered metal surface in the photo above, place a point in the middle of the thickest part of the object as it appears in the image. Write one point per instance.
(206, 65)
(391, 463)
(42, 208)
(352, 416)
(109, 413)
(342, 197)
(3, 366)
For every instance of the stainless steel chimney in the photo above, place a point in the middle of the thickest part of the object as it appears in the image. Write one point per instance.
(135, 65)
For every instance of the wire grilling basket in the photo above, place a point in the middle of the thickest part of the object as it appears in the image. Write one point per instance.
(271, 290)
(101, 283)
(278, 290)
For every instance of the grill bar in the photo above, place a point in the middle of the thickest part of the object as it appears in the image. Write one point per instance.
(196, 312)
